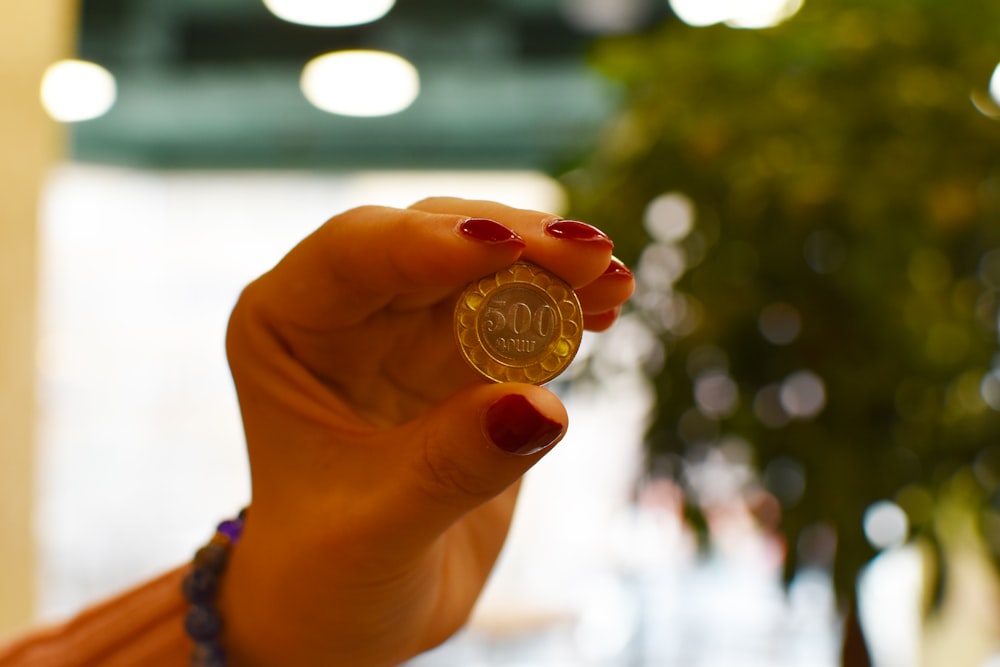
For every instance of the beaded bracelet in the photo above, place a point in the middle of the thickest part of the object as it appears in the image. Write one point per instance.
(203, 623)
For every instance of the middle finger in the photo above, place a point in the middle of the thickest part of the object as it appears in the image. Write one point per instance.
(575, 251)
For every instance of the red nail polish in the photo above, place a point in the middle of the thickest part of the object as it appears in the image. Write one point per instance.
(515, 426)
(617, 269)
(489, 231)
(601, 321)
(575, 230)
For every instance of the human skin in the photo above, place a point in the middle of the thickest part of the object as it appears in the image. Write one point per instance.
(384, 470)
(380, 501)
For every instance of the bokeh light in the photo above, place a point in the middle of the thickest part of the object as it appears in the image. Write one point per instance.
(753, 14)
(360, 83)
(803, 395)
(885, 524)
(603, 17)
(669, 217)
(716, 394)
(329, 12)
(990, 389)
(661, 265)
(995, 85)
(77, 90)
(767, 407)
(779, 323)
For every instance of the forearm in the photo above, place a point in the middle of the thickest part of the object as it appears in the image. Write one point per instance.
(144, 626)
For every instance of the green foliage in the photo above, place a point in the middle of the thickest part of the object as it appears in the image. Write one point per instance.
(845, 175)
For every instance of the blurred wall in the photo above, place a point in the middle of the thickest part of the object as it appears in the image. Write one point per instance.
(32, 35)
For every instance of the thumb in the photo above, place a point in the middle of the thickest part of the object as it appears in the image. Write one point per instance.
(474, 446)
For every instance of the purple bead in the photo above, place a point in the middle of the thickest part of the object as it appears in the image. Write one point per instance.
(202, 623)
(212, 557)
(208, 654)
(200, 585)
(231, 528)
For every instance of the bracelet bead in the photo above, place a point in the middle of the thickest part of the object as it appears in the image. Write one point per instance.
(203, 623)
(212, 557)
(208, 655)
(200, 586)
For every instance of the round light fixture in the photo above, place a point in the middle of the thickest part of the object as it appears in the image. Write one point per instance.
(329, 12)
(76, 90)
(360, 83)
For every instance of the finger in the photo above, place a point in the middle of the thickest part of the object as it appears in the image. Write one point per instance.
(370, 257)
(470, 449)
(601, 321)
(575, 251)
(609, 291)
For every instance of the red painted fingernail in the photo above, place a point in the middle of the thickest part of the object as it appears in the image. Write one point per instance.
(489, 231)
(601, 321)
(515, 426)
(617, 268)
(575, 230)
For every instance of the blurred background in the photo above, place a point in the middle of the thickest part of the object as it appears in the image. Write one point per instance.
(786, 451)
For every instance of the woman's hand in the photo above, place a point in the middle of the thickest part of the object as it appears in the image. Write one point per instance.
(384, 470)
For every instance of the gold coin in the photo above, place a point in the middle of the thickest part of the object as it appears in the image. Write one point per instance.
(522, 324)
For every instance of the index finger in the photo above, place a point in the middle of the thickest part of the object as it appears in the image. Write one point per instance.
(575, 251)
(370, 257)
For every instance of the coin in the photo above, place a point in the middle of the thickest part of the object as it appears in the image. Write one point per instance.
(521, 324)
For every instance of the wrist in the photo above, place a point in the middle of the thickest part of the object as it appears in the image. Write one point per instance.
(203, 622)
(286, 601)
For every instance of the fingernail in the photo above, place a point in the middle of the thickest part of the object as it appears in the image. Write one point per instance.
(617, 268)
(489, 231)
(515, 426)
(601, 321)
(575, 230)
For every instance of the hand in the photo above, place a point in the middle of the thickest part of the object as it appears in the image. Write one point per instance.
(384, 470)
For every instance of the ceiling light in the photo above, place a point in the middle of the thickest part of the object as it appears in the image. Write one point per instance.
(75, 90)
(735, 13)
(329, 12)
(601, 16)
(360, 83)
